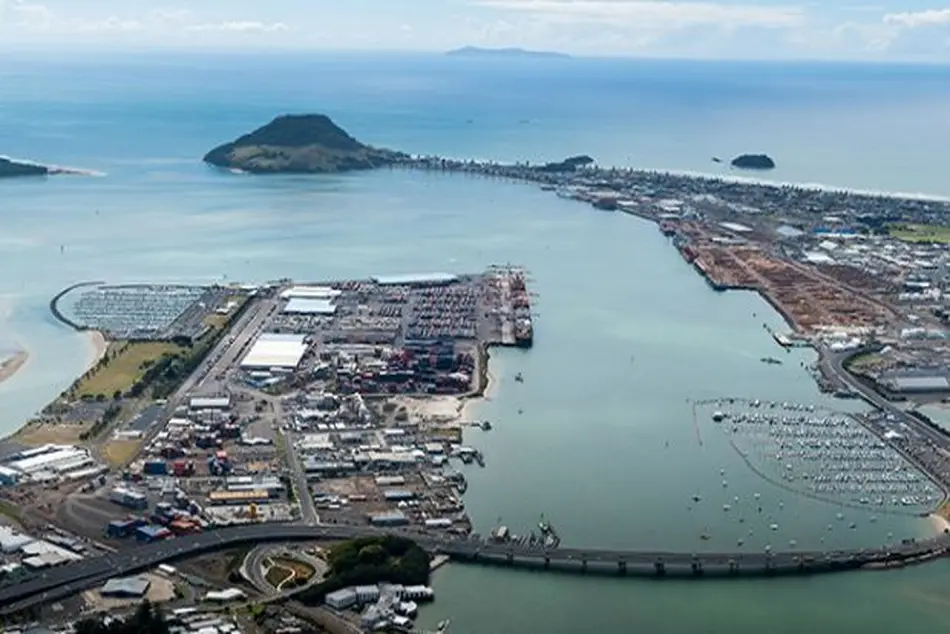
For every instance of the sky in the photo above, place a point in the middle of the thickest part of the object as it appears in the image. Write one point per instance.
(895, 30)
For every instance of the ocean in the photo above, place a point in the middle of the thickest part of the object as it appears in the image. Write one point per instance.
(599, 438)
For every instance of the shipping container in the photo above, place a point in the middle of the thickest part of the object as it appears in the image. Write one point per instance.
(155, 467)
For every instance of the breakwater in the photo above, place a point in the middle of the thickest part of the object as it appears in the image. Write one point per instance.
(58, 314)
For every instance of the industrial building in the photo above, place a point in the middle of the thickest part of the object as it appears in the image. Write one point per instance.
(8, 476)
(209, 402)
(310, 292)
(390, 518)
(239, 497)
(57, 459)
(421, 279)
(274, 350)
(917, 384)
(302, 306)
(126, 588)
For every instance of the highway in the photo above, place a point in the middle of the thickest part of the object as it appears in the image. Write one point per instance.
(58, 583)
(834, 362)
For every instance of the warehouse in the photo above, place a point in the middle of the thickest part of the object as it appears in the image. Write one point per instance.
(8, 476)
(391, 518)
(301, 306)
(310, 292)
(423, 279)
(127, 588)
(918, 384)
(210, 402)
(48, 461)
(11, 541)
(238, 497)
(272, 350)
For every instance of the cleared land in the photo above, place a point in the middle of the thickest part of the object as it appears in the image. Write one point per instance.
(38, 433)
(920, 233)
(123, 366)
(119, 452)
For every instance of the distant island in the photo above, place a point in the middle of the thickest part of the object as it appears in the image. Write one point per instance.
(10, 168)
(753, 162)
(474, 51)
(300, 144)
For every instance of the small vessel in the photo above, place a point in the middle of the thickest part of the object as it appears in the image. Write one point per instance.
(486, 425)
(519, 378)
(771, 361)
(704, 537)
(443, 625)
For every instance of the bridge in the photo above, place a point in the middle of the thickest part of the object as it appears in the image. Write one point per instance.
(58, 583)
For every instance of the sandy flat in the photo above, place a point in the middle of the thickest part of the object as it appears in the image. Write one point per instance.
(99, 345)
(941, 524)
(10, 365)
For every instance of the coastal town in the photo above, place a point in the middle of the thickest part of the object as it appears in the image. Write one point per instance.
(339, 411)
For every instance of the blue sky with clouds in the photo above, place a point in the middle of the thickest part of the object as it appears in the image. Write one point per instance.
(757, 29)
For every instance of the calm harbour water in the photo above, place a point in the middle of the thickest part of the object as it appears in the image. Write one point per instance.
(600, 436)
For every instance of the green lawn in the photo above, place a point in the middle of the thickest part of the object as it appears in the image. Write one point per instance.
(123, 370)
(920, 233)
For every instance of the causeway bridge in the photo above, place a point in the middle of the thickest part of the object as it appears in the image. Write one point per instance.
(57, 583)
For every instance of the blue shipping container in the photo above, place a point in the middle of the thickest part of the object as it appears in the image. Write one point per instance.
(155, 467)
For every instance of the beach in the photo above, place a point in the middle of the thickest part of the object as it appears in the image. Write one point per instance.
(11, 364)
(100, 345)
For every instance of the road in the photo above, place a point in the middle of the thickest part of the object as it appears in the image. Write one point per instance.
(224, 353)
(58, 583)
(835, 363)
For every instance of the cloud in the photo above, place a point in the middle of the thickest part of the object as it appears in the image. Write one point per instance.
(914, 19)
(655, 13)
(246, 26)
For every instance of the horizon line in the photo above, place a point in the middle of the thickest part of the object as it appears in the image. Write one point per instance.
(550, 56)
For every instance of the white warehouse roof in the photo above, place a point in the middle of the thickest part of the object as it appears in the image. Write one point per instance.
(305, 306)
(272, 350)
(311, 292)
(47, 460)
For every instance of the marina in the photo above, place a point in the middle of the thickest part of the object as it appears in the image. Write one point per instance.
(831, 456)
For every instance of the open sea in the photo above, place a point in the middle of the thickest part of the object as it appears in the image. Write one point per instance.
(600, 436)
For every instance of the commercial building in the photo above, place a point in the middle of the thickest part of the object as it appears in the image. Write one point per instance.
(273, 350)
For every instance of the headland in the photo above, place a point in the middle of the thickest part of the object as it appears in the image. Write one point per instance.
(10, 168)
(299, 144)
(504, 53)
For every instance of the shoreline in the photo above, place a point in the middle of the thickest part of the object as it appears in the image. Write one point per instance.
(11, 365)
(100, 345)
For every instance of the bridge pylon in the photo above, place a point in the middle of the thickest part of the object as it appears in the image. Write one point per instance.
(622, 568)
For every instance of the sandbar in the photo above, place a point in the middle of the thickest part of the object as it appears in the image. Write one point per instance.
(10, 365)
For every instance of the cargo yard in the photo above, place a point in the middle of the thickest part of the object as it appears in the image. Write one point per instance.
(335, 402)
